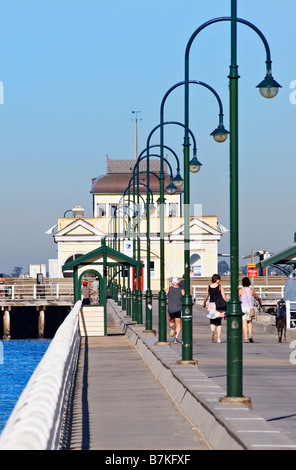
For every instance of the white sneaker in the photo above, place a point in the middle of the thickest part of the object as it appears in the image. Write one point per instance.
(218, 340)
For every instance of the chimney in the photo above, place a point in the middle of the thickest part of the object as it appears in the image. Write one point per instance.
(78, 212)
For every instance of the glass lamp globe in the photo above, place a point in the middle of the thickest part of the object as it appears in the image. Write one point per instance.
(152, 208)
(194, 165)
(269, 87)
(220, 134)
(178, 180)
(171, 188)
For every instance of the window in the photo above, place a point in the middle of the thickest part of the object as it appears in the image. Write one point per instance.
(153, 269)
(173, 209)
(101, 210)
(196, 265)
(112, 209)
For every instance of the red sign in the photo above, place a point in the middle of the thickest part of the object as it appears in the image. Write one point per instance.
(252, 271)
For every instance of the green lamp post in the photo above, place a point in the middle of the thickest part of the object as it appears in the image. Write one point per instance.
(193, 165)
(170, 189)
(268, 88)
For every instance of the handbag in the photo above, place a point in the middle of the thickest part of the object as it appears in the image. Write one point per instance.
(221, 304)
(212, 311)
(252, 309)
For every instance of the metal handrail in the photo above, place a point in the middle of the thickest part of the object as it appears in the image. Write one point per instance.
(34, 291)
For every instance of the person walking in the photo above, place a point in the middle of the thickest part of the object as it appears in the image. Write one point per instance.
(95, 291)
(174, 295)
(182, 282)
(247, 296)
(85, 291)
(214, 291)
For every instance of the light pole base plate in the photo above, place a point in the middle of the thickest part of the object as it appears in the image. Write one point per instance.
(162, 343)
(191, 362)
(149, 331)
(236, 400)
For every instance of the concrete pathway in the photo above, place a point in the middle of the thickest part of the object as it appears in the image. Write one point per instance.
(119, 404)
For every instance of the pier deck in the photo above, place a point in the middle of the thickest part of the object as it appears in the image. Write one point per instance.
(119, 404)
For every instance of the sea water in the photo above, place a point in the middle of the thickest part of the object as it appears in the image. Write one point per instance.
(18, 360)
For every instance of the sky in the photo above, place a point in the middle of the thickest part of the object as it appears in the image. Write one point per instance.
(72, 73)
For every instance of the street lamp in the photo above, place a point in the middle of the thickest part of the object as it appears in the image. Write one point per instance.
(136, 293)
(171, 189)
(193, 166)
(220, 134)
(268, 88)
(175, 182)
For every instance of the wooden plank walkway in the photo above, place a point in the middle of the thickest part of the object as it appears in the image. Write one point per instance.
(119, 404)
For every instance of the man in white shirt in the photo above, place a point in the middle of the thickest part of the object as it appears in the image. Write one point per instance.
(95, 290)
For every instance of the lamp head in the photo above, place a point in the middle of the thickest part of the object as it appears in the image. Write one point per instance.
(171, 188)
(152, 208)
(220, 134)
(269, 87)
(194, 165)
(178, 180)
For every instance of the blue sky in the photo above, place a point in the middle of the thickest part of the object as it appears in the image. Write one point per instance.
(73, 71)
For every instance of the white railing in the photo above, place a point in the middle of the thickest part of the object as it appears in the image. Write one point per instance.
(290, 314)
(265, 292)
(37, 291)
(36, 421)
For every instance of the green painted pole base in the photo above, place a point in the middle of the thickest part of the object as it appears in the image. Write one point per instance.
(123, 298)
(128, 302)
(148, 317)
(134, 305)
(234, 350)
(140, 307)
(119, 298)
(187, 328)
(162, 323)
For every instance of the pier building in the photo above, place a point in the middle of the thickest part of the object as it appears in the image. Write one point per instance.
(113, 216)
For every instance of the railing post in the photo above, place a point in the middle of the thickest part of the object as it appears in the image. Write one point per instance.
(288, 313)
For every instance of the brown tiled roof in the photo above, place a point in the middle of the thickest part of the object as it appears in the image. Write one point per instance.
(116, 183)
(127, 166)
(119, 173)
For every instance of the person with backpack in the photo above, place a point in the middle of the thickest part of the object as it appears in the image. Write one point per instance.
(174, 296)
(215, 292)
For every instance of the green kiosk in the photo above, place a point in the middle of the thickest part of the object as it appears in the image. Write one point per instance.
(93, 318)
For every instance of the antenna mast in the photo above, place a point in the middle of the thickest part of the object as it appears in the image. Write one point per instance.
(136, 113)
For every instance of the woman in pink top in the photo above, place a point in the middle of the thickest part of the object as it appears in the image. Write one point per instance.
(247, 295)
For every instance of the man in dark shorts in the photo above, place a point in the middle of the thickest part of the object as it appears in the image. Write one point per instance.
(174, 295)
